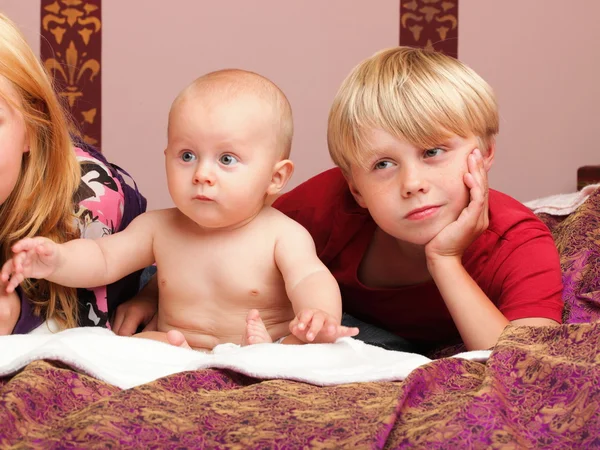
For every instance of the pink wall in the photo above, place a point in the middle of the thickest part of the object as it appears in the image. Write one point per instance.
(538, 55)
(306, 47)
(26, 14)
(542, 59)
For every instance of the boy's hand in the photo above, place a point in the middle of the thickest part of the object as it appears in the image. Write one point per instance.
(314, 325)
(10, 309)
(454, 239)
(34, 258)
(133, 313)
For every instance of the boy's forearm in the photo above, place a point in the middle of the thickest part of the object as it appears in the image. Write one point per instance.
(319, 290)
(478, 320)
(82, 264)
(149, 292)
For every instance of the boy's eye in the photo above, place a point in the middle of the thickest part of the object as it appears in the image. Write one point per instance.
(432, 152)
(382, 165)
(187, 156)
(228, 160)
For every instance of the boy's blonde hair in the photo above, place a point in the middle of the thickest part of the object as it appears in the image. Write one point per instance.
(230, 83)
(41, 203)
(417, 95)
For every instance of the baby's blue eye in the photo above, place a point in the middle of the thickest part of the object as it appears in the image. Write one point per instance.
(228, 160)
(187, 156)
(432, 152)
(382, 165)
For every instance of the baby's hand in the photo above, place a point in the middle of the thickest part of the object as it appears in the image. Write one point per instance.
(314, 325)
(33, 258)
(454, 239)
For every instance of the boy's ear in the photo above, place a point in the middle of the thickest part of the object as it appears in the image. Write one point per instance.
(355, 192)
(282, 172)
(488, 156)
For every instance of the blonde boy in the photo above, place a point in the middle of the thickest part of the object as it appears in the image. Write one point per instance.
(222, 255)
(417, 242)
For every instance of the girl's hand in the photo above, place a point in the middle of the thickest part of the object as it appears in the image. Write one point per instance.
(454, 239)
(34, 258)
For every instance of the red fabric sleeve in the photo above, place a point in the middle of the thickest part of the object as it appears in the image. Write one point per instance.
(529, 278)
(314, 204)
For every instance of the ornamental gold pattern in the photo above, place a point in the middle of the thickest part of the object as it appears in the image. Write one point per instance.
(430, 24)
(71, 37)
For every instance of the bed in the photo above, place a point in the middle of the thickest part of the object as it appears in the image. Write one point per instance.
(539, 387)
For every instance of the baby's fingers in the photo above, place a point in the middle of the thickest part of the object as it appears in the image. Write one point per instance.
(15, 280)
(20, 260)
(330, 326)
(347, 331)
(304, 318)
(315, 326)
(7, 270)
(25, 244)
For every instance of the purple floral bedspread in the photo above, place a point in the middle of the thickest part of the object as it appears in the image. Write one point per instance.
(538, 389)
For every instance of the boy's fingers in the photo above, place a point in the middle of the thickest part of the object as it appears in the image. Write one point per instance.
(477, 169)
(128, 327)
(152, 324)
(469, 180)
(117, 322)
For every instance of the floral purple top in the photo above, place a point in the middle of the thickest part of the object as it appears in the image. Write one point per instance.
(99, 210)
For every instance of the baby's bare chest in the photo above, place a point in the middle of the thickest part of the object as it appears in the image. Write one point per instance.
(229, 268)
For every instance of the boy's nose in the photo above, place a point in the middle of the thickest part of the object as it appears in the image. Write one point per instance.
(204, 175)
(412, 183)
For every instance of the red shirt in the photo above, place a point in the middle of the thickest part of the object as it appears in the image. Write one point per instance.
(515, 261)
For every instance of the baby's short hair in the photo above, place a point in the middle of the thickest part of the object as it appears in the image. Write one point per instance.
(230, 83)
(418, 95)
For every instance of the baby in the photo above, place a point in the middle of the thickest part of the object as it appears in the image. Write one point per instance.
(222, 254)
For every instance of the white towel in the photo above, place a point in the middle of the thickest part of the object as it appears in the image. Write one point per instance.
(127, 362)
(561, 204)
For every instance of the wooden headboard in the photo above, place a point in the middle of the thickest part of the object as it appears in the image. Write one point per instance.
(587, 175)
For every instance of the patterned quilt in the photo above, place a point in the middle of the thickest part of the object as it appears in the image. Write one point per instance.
(539, 389)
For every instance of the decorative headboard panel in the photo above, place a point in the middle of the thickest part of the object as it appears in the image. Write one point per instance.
(587, 175)
(71, 46)
(430, 24)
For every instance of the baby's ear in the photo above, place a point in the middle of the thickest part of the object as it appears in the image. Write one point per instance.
(282, 172)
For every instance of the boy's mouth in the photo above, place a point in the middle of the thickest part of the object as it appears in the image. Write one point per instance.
(422, 213)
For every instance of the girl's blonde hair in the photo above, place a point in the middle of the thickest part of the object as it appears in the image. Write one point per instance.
(41, 203)
(414, 94)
